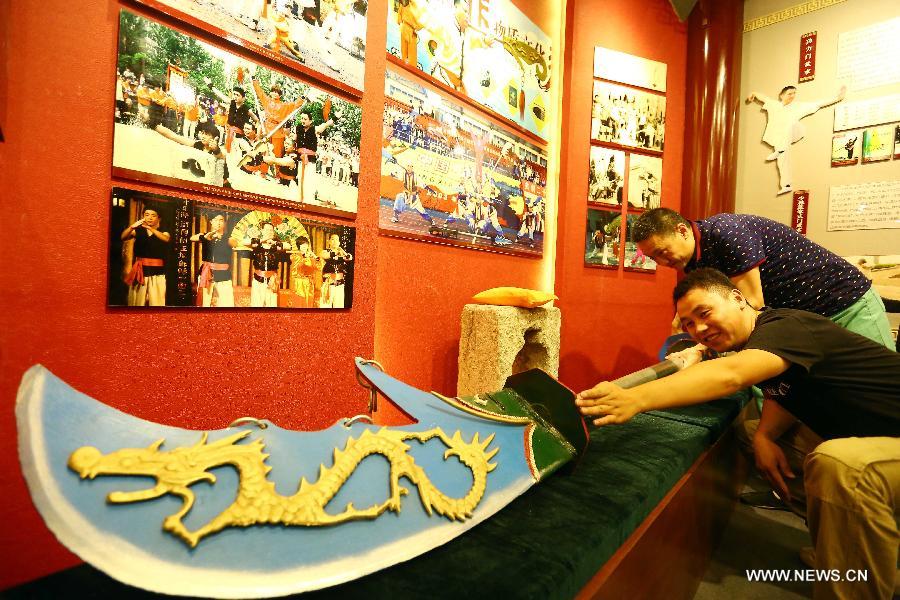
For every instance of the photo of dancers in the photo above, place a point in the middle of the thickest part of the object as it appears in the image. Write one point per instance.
(628, 117)
(606, 178)
(489, 51)
(325, 37)
(449, 176)
(603, 237)
(167, 251)
(195, 116)
(644, 181)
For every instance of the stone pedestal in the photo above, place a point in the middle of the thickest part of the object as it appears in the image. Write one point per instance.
(497, 341)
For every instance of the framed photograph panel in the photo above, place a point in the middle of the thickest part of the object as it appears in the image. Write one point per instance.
(326, 40)
(450, 176)
(192, 115)
(173, 252)
(845, 148)
(644, 181)
(602, 237)
(628, 68)
(634, 258)
(877, 143)
(606, 178)
(488, 52)
(628, 117)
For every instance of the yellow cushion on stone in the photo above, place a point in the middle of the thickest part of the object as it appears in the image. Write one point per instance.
(513, 296)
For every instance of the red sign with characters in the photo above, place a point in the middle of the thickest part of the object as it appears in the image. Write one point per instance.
(798, 214)
(807, 57)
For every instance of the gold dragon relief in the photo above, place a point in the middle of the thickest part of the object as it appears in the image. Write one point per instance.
(258, 503)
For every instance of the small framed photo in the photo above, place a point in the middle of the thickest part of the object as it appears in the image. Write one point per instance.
(606, 178)
(644, 181)
(635, 259)
(877, 143)
(602, 237)
(845, 147)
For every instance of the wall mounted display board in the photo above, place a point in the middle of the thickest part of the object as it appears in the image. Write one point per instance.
(488, 52)
(644, 181)
(874, 111)
(179, 122)
(874, 205)
(867, 57)
(603, 237)
(613, 65)
(175, 252)
(634, 258)
(324, 40)
(628, 117)
(845, 148)
(877, 143)
(606, 178)
(451, 176)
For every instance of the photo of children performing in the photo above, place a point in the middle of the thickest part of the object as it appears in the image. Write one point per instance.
(606, 177)
(168, 251)
(222, 124)
(450, 177)
(326, 36)
(491, 52)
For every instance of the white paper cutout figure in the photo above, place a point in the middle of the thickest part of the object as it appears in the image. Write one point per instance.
(783, 126)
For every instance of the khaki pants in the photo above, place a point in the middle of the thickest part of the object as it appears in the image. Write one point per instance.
(152, 292)
(853, 502)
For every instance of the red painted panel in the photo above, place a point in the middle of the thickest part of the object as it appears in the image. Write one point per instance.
(613, 322)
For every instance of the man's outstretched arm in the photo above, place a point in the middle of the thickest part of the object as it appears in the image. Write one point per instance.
(700, 383)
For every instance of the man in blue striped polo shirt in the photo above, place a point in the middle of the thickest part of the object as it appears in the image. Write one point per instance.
(771, 264)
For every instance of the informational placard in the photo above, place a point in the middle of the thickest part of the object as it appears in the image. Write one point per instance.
(875, 111)
(867, 57)
(807, 70)
(873, 205)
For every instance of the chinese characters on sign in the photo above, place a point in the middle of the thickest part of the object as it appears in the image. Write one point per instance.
(807, 57)
(798, 214)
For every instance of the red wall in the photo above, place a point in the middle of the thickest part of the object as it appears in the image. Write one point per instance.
(613, 322)
(202, 369)
(179, 367)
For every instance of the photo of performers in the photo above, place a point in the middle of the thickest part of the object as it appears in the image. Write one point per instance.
(634, 258)
(644, 181)
(628, 117)
(207, 119)
(603, 237)
(491, 52)
(168, 251)
(448, 176)
(845, 148)
(326, 36)
(606, 178)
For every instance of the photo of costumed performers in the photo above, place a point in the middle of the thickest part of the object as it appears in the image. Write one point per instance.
(202, 118)
(170, 251)
(603, 237)
(325, 36)
(606, 178)
(448, 176)
(644, 181)
(634, 258)
(489, 51)
(628, 117)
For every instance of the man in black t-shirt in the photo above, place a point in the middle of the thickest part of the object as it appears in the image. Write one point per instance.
(844, 387)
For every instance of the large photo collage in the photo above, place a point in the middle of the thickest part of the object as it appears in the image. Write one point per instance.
(627, 137)
(464, 160)
(205, 114)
